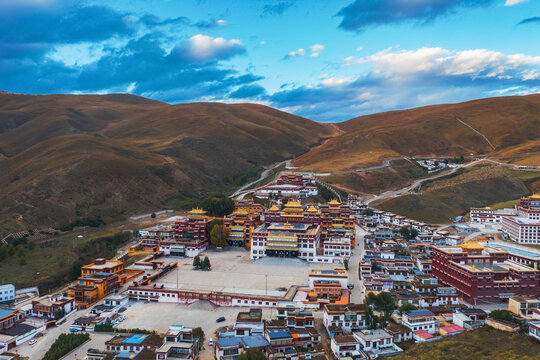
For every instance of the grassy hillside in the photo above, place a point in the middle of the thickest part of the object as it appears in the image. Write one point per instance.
(443, 200)
(505, 127)
(483, 344)
(399, 174)
(64, 156)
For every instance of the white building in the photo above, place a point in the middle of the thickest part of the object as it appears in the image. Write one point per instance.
(488, 215)
(522, 230)
(419, 320)
(7, 293)
(345, 346)
(534, 329)
(376, 341)
(348, 317)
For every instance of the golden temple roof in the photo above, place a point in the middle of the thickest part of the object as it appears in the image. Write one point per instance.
(274, 208)
(312, 209)
(197, 211)
(471, 245)
(334, 202)
(293, 204)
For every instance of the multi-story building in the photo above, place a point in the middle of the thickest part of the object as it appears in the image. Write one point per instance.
(292, 213)
(249, 323)
(7, 293)
(249, 206)
(241, 225)
(103, 266)
(522, 230)
(523, 306)
(345, 346)
(286, 240)
(348, 317)
(483, 274)
(336, 214)
(9, 317)
(191, 232)
(339, 275)
(91, 288)
(52, 305)
(296, 319)
(419, 320)
(488, 215)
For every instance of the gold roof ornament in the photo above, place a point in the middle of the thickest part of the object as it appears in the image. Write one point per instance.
(274, 208)
(334, 202)
(312, 209)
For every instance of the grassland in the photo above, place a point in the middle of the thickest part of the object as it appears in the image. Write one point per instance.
(483, 344)
(399, 174)
(47, 261)
(441, 201)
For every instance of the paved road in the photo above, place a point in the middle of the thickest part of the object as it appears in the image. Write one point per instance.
(356, 294)
(36, 351)
(241, 192)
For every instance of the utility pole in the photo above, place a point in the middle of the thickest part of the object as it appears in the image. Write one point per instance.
(266, 277)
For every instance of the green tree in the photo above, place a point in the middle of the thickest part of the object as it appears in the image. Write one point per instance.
(408, 233)
(64, 344)
(197, 262)
(60, 313)
(406, 306)
(219, 235)
(153, 216)
(252, 354)
(198, 336)
(367, 212)
(205, 264)
(75, 270)
(218, 205)
(384, 303)
(503, 315)
(346, 264)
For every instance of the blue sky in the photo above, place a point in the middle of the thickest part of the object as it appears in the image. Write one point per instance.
(325, 60)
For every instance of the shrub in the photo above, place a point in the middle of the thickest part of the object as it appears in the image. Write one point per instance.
(65, 344)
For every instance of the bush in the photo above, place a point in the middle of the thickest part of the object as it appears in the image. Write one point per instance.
(65, 344)
(502, 315)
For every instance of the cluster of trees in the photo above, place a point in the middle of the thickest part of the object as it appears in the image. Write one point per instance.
(198, 335)
(384, 304)
(94, 221)
(218, 205)
(218, 233)
(455, 160)
(243, 178)
(110, 328)
(503, 315)
(325, 193)
(201, 264)
(105, 246)
(367, 212)
(17, 247)
(408, 233)
(65, 344)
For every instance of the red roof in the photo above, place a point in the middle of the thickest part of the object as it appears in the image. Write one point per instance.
(423, 334)
(452, 329)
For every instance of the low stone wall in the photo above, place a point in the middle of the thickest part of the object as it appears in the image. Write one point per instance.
(503, 326)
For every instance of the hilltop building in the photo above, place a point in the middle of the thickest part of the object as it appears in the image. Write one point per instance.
(525, 227)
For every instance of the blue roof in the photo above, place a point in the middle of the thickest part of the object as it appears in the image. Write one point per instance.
(134, 339)
(419, 312)
(278, 334)
(254, 341)
(101, 273)
(228, 341)
(249, 341)
(6, 312)
(125, 355)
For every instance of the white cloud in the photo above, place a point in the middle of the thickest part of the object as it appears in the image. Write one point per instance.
(203, 47)
(316, 48)
(299, 52)
(333, 81)
(479, 63)
(513, 2)
(221, 22)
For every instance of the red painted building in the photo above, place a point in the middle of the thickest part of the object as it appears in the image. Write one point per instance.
(483, 274)
(192, 232)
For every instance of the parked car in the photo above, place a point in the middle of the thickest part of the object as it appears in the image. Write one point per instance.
(211, 342)
(351, 286)
(32, 342)
(220, 319)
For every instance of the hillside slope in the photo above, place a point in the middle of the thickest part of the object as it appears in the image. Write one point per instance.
(65, 157)
(505, 126)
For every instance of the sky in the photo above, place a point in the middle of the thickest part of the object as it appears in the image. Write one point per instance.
(324, 60)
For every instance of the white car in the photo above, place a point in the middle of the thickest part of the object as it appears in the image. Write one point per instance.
(32, 342)
(211, 342)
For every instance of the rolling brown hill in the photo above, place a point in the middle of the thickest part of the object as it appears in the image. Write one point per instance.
(65, 157)
(505, 127)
